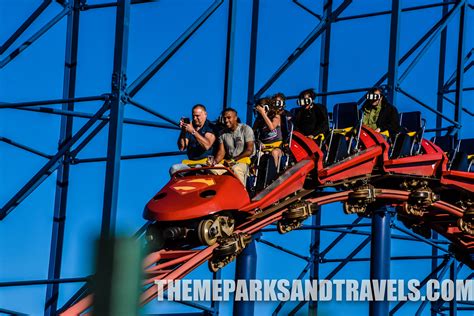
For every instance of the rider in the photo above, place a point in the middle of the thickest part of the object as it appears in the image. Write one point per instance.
(267, 127)
(197, 138)
(380, 115)
(236, 145)
(311, 119)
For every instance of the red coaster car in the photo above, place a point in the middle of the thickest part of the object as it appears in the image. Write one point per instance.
(196, 206)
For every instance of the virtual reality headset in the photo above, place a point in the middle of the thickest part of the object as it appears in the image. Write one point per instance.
(304, 101)
(373, 96)
(279, 103)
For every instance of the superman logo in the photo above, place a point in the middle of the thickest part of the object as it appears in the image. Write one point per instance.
(188, 186)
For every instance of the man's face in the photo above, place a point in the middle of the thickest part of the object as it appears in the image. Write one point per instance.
(199, 117)
(230, 119)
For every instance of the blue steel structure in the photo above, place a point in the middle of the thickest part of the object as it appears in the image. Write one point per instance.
(111, 114)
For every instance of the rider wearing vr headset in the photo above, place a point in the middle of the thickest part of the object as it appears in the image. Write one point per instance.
(311, 119)
(380, 115)
(267, 126)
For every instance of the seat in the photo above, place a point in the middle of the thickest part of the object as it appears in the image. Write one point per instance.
(408, 142)
(446, 142)
(463, 155)
(345, 117)
(467, 146)
(414, 126)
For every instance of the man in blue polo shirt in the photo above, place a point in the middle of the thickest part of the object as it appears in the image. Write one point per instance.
(197, 138)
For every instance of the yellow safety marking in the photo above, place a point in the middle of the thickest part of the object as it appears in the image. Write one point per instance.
(271, 146)
(194, 162)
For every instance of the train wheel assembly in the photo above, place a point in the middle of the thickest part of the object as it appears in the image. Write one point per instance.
(294, 216)
(418, 201)
(359, 199)
(210, 229)
(466, 222)
(229, 248)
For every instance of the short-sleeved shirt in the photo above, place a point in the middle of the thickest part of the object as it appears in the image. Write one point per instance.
(195, 150)
(234, 141)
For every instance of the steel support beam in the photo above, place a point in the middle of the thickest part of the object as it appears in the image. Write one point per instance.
(34, 37)
(441, 73)
(325, 53)
(103, 97)
(317, 16)
(215, 304)
(246, 269)
(42, 282)
(331, 274)
(85, 6)
(131, 157)
(453, 274)
(442, 268)
(103, 118)
(43, 6)
(117, 104)
(49, 167)
(252, 62)
(317, 31)
(229, 54)
(392, 79)
(380, 255)
(460, 67)
(24, 147)
(386, 12)
(452, 78)
(430, 41)
(62, 177)
(315, 256)
(439, 120)
(430, 108)
(413, 49)
(133, 89)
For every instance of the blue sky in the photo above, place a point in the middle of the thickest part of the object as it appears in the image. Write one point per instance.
(194, 75)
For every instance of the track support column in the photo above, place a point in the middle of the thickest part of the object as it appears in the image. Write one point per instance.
(62, 182)
(246, 269)
(380, 255)
(252, 62)
(114, 146)
(314, 249)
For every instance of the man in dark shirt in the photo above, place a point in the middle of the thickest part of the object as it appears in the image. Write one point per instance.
(197, 138)
(311, 119)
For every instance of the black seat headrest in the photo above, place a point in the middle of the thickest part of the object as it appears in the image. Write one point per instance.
(446, 142)
(345, 115)
(411, 121)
